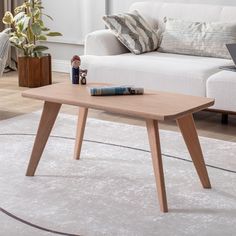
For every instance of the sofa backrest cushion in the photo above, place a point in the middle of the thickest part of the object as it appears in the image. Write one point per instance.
(155, 11)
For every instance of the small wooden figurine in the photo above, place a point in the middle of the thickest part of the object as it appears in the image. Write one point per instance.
(75, 63)
(83, 74)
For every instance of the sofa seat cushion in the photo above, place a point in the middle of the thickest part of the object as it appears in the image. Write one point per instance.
(154, 70)
(222, 87)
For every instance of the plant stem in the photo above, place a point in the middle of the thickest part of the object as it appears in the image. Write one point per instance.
(33, 19)
(27, 12)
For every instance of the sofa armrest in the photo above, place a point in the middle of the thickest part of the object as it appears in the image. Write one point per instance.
(4, 47)
(103, 43)
(1, 67)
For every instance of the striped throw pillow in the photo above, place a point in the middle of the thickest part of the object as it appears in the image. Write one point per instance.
(133, 31)
(198, 38)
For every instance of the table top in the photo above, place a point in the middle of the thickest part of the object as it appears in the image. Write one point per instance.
(154, 105)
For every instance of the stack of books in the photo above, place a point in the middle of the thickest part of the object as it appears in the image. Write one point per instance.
(115, 90)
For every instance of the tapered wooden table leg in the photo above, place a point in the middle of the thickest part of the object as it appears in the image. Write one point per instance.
(48, 117)
(188, 130)
(154, 140)
(83, 112)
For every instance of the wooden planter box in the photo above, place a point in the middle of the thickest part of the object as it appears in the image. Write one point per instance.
(34, 71)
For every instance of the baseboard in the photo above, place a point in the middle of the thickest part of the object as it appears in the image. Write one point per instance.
(61, 66)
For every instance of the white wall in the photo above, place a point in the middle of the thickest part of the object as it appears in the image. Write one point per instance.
(74, 19)
(123, 5)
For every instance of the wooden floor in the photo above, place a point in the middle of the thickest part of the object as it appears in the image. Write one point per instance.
(12, 105)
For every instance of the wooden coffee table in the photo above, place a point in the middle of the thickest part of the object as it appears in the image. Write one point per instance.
(153, 106)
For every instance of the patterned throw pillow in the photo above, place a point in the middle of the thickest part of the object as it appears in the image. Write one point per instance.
(198, 38)
(133, 31)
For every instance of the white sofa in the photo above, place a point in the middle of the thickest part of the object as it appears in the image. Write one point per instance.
(4, 46)
(107, 60)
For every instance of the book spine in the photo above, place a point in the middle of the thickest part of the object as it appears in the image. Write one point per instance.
(110, 91)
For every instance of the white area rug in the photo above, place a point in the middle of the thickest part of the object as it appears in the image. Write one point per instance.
(111, 190)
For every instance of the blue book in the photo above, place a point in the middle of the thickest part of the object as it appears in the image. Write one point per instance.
(115, 90)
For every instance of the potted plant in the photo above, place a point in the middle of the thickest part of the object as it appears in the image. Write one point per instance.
(27, 30)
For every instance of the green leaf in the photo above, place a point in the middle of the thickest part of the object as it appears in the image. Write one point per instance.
(20, 26)
(38, 54)
(41, 23)
(19, 9)
(21, 40)
(45, 29)
(52, 34)
(19, 16)
(26, 23)
(42, 37)
(38, 2)
(37, 17)
(47, 16)
(34, 11)
(15, 40)
(17, 46)
(8, 18)
(30, 35)
(30, 46)
(40, 48)
(36, 29)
